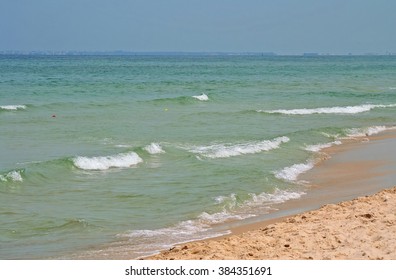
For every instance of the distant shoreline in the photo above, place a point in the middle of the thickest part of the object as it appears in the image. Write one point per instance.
(170, 53)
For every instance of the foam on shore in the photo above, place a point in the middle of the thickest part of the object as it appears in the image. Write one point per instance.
(361, 228)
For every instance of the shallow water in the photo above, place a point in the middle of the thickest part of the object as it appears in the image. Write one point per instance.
(153, 150)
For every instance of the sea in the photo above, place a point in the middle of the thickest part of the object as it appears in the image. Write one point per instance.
(123, 156)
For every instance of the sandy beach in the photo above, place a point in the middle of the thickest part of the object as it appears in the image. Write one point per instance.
(348, 213)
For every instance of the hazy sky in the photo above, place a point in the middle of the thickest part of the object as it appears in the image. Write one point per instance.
(281, 26)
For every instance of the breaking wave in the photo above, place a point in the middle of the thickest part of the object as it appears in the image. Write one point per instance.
(12, 107)
(319, 147)
(367, 131)
(202, 97)
(12, 176)
(154, 148)
(329, 110)
(107, 162)
(152, 241)
(291, 173)
(230, 150)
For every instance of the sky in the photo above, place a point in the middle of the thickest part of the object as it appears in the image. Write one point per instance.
(280, 26)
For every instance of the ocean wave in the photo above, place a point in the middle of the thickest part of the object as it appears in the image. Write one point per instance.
(235, 209)
(279, 196)
(12, 176)
(154, 148)
(12, 107)
(147, 242)
(182, 100)
(329, 110)
(70, 225)
(366, 131)
(202, 97)
(106, 162)
(319, 147)
(152, 241)
(123, 146)
(291, 173)
(331, 135)
(230, 150)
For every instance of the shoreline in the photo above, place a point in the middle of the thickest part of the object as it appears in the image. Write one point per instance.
(360, 170)
(360, 229)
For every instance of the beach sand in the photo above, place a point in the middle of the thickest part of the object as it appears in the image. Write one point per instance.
(356, 219)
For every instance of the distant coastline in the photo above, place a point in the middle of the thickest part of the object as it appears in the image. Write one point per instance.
(177, 53)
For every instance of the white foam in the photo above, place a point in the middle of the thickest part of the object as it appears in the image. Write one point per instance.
(13, 176)
(257, 204)
(291, 173)
(202, 97)
(319, 147)
(367, 131)
(230, 150)
(202, 226)
(13, 107)
(279, 196)
(150, 241)
(154, 148)
(123, 146)
(106, 162)
(328, 135)
(221, 199)
(221, 217)
(233, 209)
(330, 110)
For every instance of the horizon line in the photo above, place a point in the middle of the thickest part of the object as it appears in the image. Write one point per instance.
(186, 53)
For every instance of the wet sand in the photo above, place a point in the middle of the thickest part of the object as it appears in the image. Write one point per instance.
(354, 223)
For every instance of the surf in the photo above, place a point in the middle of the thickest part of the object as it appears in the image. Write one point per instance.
(154, 149)
(232, 208)
(123, 160)
(12, 176)
(329, 110)
(291, 173)
(202, 97)
(12, 107)
(231, 150)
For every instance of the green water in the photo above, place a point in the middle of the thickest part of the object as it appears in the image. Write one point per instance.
(99, 150)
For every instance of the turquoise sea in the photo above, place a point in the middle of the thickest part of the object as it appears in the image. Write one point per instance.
(127, 155)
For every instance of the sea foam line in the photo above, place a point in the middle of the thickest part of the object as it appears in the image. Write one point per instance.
(329, 110)
(291, 173)
(12, 176)
(230, 150)
(202, 97)
(150, 241)
(319, 147)
(232, 210)
(154, 148)
(12, 107)
(107, 162)
(366, 131)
